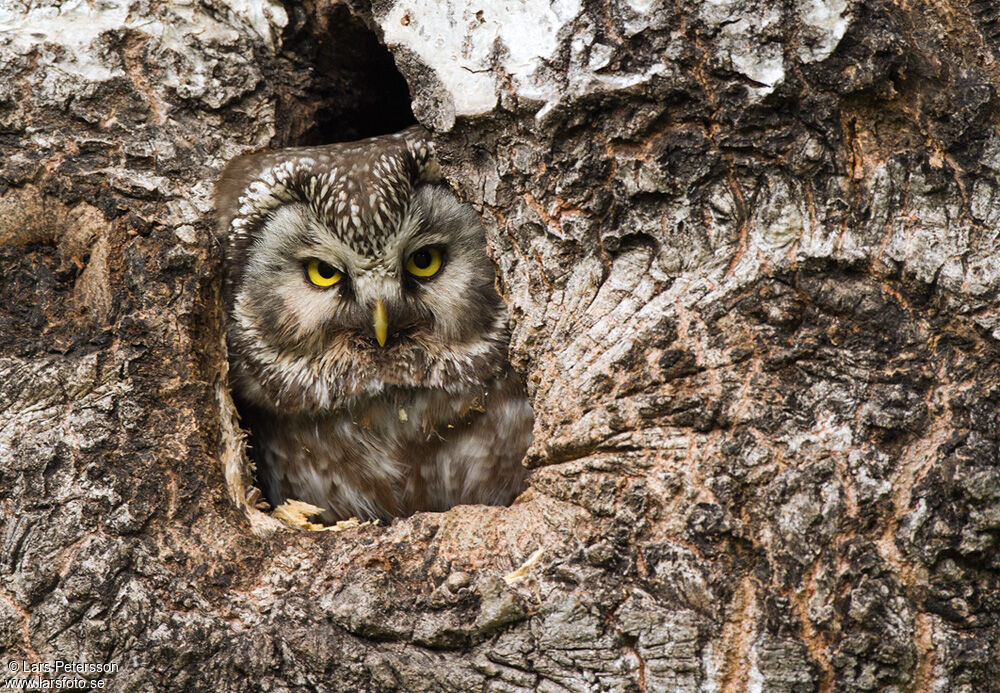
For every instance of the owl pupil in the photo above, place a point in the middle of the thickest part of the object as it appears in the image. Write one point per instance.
(325, 270)
(422, 259)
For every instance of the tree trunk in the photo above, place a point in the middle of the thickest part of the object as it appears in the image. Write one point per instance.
(750, 253)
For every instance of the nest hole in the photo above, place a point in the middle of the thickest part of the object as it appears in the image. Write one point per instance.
(352, 91)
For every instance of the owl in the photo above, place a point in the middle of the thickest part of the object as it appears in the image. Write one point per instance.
(367, 342)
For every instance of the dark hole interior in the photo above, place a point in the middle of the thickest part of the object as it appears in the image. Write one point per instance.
(354, 89)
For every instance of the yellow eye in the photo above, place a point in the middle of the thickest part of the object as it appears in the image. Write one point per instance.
(322, 274)
(424, 263)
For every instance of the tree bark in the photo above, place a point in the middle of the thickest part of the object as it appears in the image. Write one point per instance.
(750, 253)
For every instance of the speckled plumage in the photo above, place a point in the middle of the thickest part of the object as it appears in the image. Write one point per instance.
(433, 418)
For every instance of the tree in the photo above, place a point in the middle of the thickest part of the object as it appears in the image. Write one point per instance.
(749, 252)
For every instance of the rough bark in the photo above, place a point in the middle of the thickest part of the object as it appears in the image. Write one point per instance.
(749, 250)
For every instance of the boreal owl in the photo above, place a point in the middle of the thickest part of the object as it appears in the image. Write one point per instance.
(367, 343)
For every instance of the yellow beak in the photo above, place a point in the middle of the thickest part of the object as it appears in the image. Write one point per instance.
(381, 323)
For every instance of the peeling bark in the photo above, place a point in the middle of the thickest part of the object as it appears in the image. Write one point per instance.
(749, 251)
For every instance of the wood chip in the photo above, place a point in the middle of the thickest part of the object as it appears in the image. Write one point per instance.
(297, 514)
(522, 572)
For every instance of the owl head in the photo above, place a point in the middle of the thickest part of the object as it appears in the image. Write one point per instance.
(352, 268)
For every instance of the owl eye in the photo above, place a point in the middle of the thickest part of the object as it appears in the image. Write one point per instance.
(321, 274)
(424, 263)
